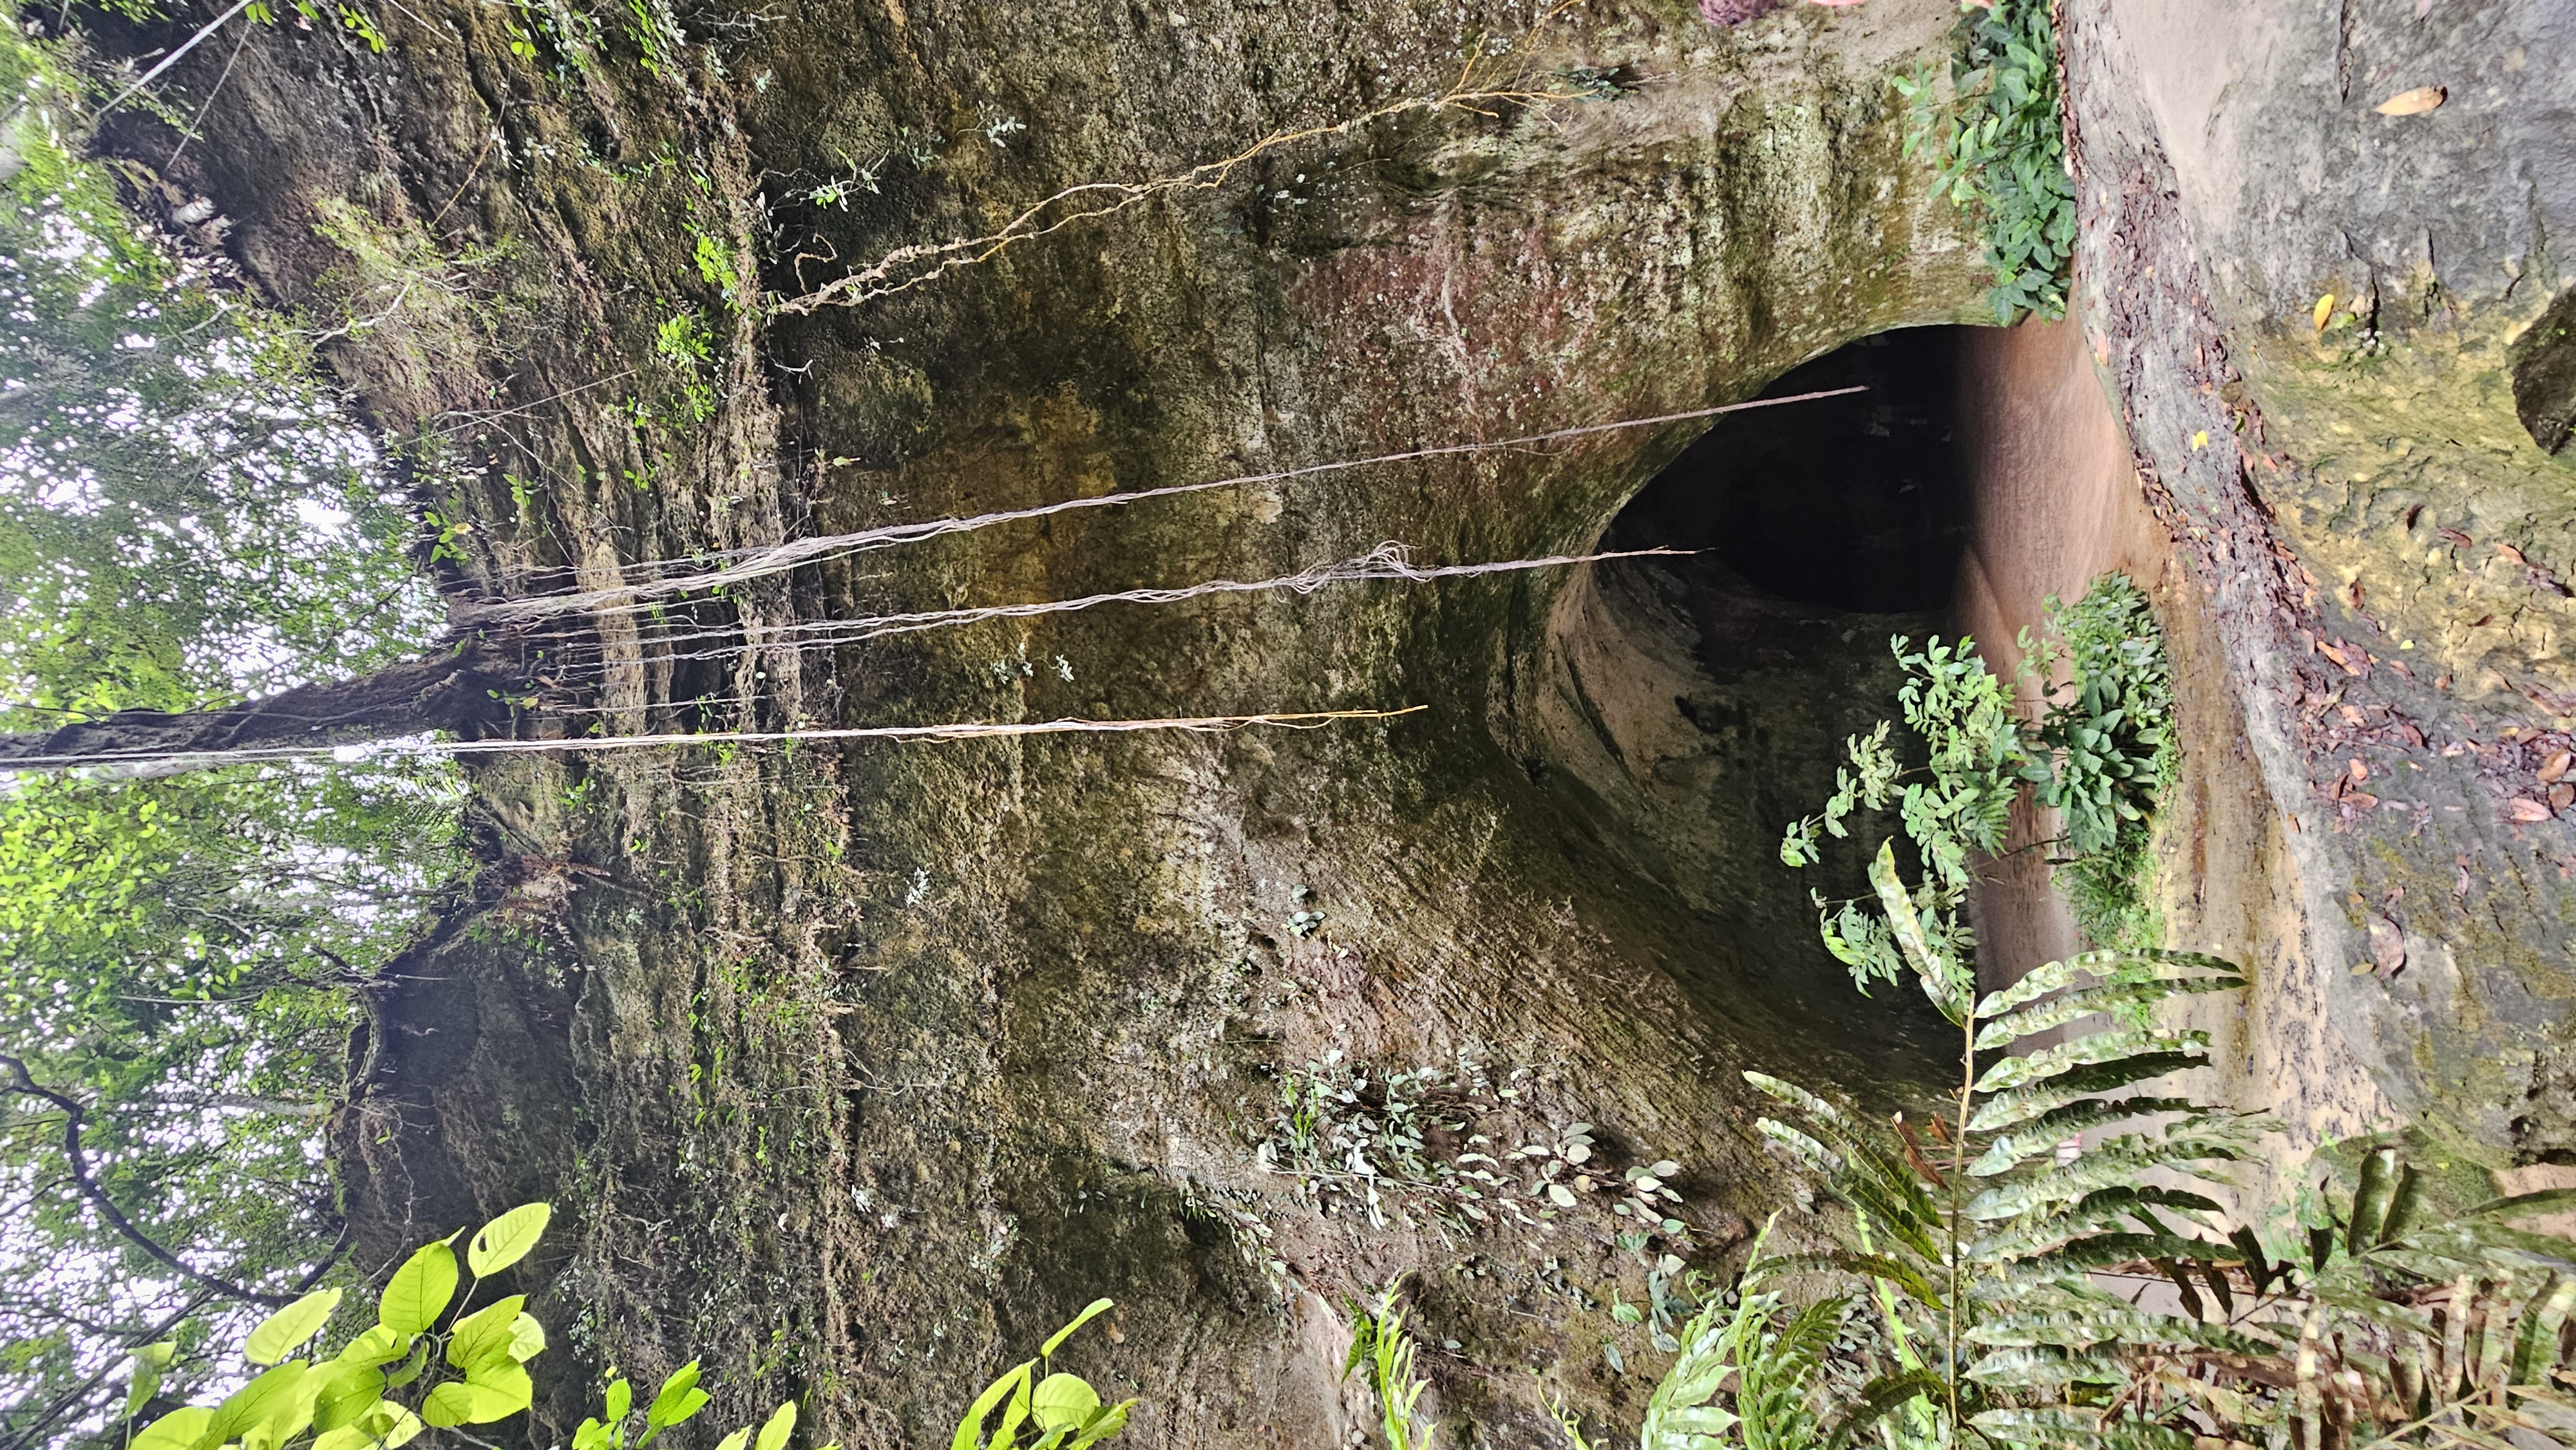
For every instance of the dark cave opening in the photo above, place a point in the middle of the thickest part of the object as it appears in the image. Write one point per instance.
(1858, 503)
(1708, 697)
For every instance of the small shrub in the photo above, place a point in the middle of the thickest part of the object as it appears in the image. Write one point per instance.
(2108, 733)
(1999, 147)
(425, 1366)
(1998, 1258)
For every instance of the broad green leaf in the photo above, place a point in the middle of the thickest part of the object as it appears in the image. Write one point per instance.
(420, 1290)
(527, 1338)
(781, 1424)
(1929, 964)
(506, 1376)
(1103, 1425)
(465, 1402)
(1063, 1401)
(177, 1430)
(285, 1331)
(264, 1398)
(411, 1366)
(507, 1239)
(484, 1335)
(384, 1424)
(1091, 1311)
(345, 1391)
(149, 1362)
(970, 1429)
(619, 1399)
(677, 1400)
(375, 1345)
(736, 1440)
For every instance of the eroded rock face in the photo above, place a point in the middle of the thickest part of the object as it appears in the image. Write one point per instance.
(857, 1072)
(2383, 536)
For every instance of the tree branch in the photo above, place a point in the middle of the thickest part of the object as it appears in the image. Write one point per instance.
(107, 1209)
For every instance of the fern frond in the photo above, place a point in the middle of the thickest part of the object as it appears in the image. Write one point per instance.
(2110, 1000)
(2123, 964)
(2097, 1049)
(1913, 1282)
(2020, 1105)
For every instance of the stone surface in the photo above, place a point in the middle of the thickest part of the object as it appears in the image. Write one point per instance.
(858, 1069)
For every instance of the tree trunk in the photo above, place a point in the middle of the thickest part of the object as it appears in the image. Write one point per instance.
(453, 691)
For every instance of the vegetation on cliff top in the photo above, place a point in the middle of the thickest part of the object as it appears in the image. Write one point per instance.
(1995, 134)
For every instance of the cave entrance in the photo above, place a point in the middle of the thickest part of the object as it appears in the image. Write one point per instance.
(1858, 503)
(1705, 698)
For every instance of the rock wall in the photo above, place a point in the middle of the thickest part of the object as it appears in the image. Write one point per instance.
(858, 1069)
(2378, 535)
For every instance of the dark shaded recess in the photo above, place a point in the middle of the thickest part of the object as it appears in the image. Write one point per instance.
(1857, 503)
(1823, 529)
(2544, 376)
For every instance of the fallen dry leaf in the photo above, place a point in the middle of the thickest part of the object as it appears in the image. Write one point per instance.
(2554, 769)
(2510, 552)
(2414, 102)
(2387, 946)
(2360, 772)
(2455, 536)
(2561, 796)
(2324, 310)
(2526, 810)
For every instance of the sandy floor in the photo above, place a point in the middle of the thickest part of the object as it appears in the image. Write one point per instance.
(2057, 501)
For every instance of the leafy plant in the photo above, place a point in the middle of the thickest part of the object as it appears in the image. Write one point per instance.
(1381, 1344)
(2001, 1255)
(1350, 1132)
(1059, 1412)
(1958, 804)
(2013, 1246)
(2109, 739)
(2102, 752)
(1751, 1373)
(1998, 146)
(427, 1365)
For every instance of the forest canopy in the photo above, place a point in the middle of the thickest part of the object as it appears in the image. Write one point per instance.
(188, 517)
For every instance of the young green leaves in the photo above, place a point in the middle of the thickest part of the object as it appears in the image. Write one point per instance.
(352, 1401)
(1059, 1412)
(285, 1331)
(507, 1239)
(1382, 1344)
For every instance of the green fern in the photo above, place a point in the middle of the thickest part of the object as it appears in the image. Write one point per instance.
(2011, 1248)
(1381, 1344)
(2000, 1255)
(1750, 1375)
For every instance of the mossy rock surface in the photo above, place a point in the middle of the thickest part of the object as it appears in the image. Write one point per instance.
(858, 1069)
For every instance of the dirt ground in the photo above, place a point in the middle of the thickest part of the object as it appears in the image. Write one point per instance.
(2058, 501)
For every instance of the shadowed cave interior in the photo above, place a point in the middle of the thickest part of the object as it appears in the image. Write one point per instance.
(1706, 696)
